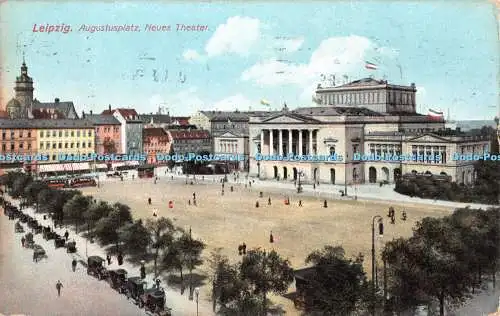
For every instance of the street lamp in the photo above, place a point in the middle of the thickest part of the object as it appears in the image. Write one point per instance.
(381, 234)
(197, 297)
(345, 174)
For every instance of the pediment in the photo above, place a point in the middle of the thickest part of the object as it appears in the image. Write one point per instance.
(228, 135)
(428, 138)
(283, 119)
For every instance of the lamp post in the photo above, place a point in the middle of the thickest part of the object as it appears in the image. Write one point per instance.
(190, 265)
(381, 234)
(258, 170)
(345, 174)
(197, 298)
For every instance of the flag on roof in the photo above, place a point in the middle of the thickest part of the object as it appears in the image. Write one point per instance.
(265, 102)
(371, 66)
(435, 113)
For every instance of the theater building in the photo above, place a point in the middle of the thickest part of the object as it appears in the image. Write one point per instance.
(366, 116)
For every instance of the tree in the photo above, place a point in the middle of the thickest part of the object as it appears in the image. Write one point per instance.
(44, 198)
(190, 254)
(337, 285)
(32, 190)
(107, 227)
(161, 232)
(95, 212)
(75, 209)
(19, 184)
(266, 272)
(137, 239)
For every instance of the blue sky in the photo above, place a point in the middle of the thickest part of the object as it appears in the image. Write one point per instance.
(272, 51)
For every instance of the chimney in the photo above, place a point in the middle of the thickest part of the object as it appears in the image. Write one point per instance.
(83, 114)
(109, 107)
(90, 112)
(57, 100)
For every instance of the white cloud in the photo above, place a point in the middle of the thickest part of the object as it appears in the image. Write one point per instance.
(336, 56)
(292, 45)
(193, 55)
(232, 103)
(237, 35)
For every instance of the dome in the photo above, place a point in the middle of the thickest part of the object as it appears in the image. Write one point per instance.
(14, 103)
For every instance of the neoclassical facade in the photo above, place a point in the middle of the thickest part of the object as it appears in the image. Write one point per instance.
(350, 131)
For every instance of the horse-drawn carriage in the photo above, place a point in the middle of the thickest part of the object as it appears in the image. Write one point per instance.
(153, 300)
(32, 223)
(71, 247)
(95, 267)
(38, 252)
(118, 280)
(19, 228)
(59, 242)
(134, 288)
(48, 234)
(29, 243)
(23, 218)
(38, 229)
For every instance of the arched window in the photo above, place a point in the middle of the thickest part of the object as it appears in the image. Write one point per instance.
(332, 150)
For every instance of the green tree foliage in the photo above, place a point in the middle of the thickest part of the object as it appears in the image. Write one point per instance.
(21, 181)
(337, 285)
(266, 272)
(95, 212)
(107, 228)
(137, 240)
(74, 209)
(161, 232)
(188, 251)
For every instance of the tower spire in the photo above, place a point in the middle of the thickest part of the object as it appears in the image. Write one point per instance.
(24, 62)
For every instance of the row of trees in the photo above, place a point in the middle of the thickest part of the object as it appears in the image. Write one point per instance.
(445, 261)
(159, 241)
(485, 189)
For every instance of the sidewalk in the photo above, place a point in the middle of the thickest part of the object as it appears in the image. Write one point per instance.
(364, 192)
(179, 304)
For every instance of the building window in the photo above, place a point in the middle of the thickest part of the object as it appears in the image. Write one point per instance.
(12, 146)
(355, 148)
(21, 134)
(72, 145)
(332, 150)
(60, 145)
(77, 133)
(29, 134)
(54, 134)
(29, 146)
(72, 133)
(41, 133)
(90, 134)
(65, 133)
(53, 157)
(4, 148)
(89, 145)
(83, 145)
(65, 145)
(77, 145)
(41, 145)
(21, 145)
(60, 133)
(54, 146)
(11, 134)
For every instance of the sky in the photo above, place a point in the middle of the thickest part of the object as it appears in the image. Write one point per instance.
(276, 51)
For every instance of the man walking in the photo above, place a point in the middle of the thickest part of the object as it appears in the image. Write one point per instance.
(59, 287)
(66, 235)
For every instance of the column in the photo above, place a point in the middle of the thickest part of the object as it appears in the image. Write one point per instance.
(262, 141)
(300, 142)
(310, 142)
(280, 148)
(290, 147)
(271, 149)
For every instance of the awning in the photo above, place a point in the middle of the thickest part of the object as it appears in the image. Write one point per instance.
(117, 164)
(132, 163)
(101, 166)
(50, 168)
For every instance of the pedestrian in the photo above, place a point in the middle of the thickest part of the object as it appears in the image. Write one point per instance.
(194, 196)
(257, 204)
(393, 220)
(189, 202)
(232, 189)
(154, 213)
(73, 264)
(269, 201)
(59, 287)
(271, 238)
(403, 216)
(244, 248)
(120, 259)
(108, 257)
(66, 235)
(325, 204)
(149, 201)
(194, 202)
(35, 257)
(158, 281)
(300, 202)
(23, 240)
(314, 186)
(240, 250)
(222, 191)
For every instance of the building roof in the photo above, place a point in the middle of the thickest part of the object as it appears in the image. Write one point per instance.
(44, 114)
(335, 111)
(182, 120)
(64, 107)
(235, 116)
(130, 115)
(102, 119)
(365, 83)
(157, 118)
(183, 134)
(44, 123)
(154, 132)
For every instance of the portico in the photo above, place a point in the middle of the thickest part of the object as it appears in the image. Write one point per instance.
(286, 141)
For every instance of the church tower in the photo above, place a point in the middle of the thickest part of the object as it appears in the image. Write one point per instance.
(24, 92)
